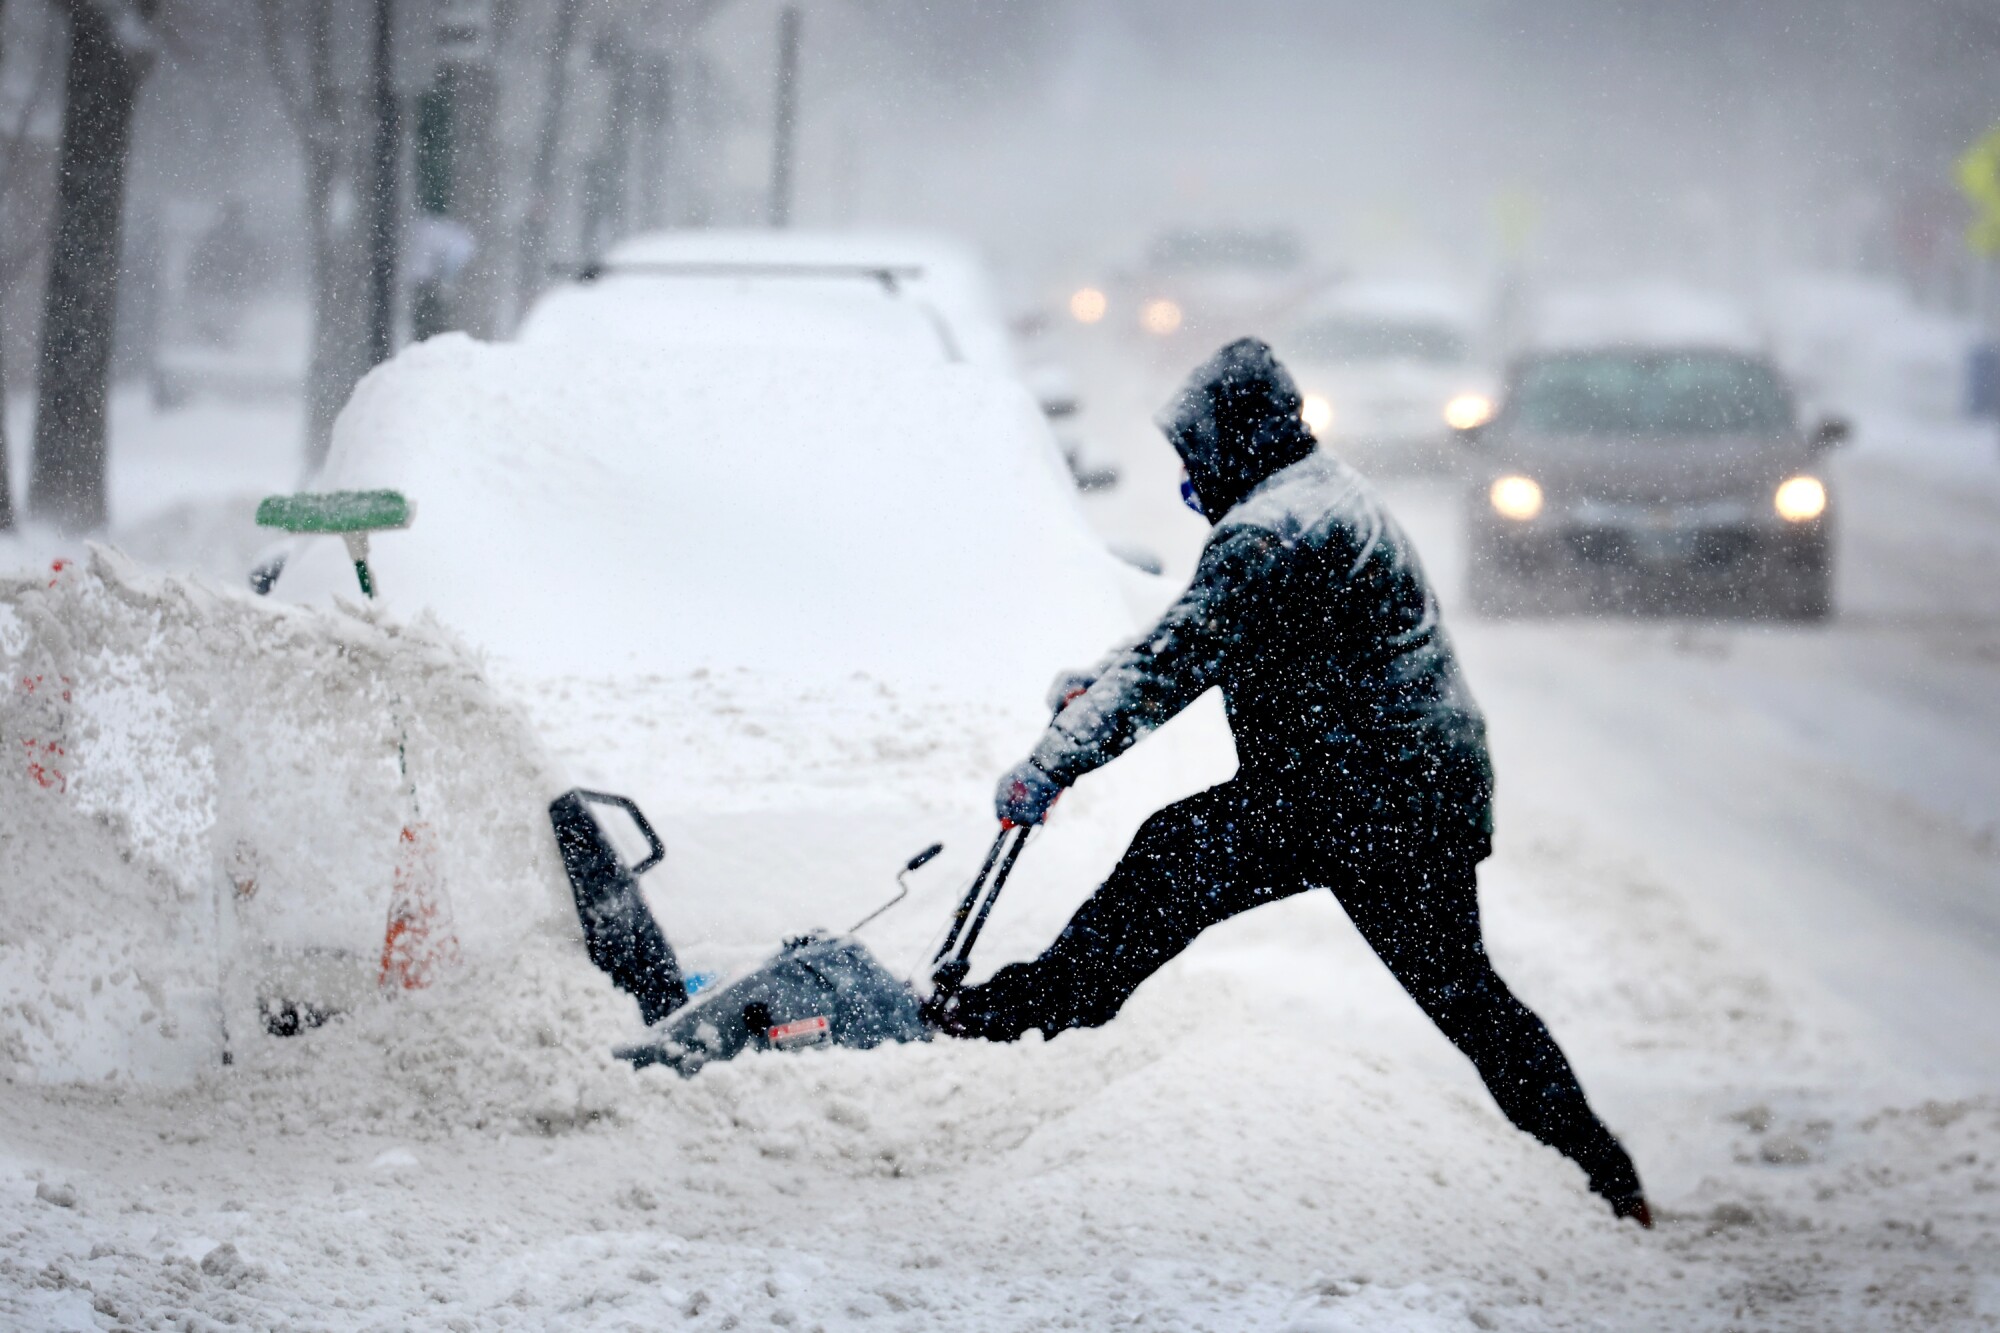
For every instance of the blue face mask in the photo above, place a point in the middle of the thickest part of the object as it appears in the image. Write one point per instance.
(1188, 497)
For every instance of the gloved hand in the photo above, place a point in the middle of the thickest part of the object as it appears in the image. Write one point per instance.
(1025, 795)
(1067, 685)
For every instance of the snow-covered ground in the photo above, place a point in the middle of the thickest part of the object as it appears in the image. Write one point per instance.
(1751, 876)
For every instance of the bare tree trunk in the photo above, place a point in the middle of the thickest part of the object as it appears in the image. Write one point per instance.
(542, 178)
(109, 53)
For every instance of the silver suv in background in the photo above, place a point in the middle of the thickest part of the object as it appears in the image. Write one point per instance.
(1656, 478)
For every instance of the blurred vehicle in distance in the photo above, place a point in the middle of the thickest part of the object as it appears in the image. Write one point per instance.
(1658, 477)
(1389, 370)
(1198, 287)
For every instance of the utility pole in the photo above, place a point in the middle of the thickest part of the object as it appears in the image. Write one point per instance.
(534, 255)
(656, 125)
(455, 197)
(785, 129)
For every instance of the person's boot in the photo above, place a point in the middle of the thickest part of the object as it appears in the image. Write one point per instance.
(1613, 1177)
(965, 1015)
(1010, 1002)
(1632, 1207)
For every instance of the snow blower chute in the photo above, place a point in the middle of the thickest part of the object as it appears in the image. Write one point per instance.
(815, 991)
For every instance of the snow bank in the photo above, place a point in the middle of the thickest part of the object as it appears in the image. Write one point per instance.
(604, 510)
(200, 787)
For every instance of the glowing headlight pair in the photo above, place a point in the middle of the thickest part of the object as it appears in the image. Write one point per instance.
(1465, 412)
(1089, 305)
(1797, 500)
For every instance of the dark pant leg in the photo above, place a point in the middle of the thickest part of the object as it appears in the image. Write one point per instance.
(1424, 924)
(1197, 862)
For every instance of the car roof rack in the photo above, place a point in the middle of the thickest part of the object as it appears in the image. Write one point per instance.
(890, 276)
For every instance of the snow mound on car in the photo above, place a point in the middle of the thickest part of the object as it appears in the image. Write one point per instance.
(611, 509)
(198, 785)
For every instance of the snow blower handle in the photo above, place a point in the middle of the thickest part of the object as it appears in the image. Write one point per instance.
(952, 960)
(656, 851)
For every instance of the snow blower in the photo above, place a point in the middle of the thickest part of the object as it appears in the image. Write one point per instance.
(817, 990)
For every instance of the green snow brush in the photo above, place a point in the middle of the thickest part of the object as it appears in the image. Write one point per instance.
(350, 514)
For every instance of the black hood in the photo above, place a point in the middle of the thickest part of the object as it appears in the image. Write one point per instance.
(1234, 423)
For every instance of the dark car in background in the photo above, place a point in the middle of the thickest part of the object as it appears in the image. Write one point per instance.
(1658, 478)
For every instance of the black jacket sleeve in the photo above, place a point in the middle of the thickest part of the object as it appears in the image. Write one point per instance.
(1190, 649)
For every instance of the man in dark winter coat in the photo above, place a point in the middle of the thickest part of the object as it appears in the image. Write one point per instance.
(1363, 763)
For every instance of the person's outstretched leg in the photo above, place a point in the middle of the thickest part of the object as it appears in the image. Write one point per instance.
(1197, 862)
(1426, 928)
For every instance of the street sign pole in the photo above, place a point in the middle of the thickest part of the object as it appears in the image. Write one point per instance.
(785, 131)
(383, 156)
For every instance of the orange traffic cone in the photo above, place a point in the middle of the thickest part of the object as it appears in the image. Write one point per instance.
(420, 941)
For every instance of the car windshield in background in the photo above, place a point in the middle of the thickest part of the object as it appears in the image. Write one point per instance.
(1660, 393)
(1349, 339)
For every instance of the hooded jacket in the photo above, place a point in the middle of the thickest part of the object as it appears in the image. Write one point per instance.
(1311, 613)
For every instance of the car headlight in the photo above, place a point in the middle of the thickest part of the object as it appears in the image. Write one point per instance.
(1468, 410)
(1316, 410)
(1087, 305)
(1800, 499)
(1518, 498)
(1160, 316)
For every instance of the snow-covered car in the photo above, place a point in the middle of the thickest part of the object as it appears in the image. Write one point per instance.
(1667, 473)
(789, 506)
(1388, 370)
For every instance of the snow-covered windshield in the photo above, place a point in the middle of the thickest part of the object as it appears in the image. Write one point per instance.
(1649, 393)
(1350, 339)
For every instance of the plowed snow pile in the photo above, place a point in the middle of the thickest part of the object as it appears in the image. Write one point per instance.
(200, 786)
